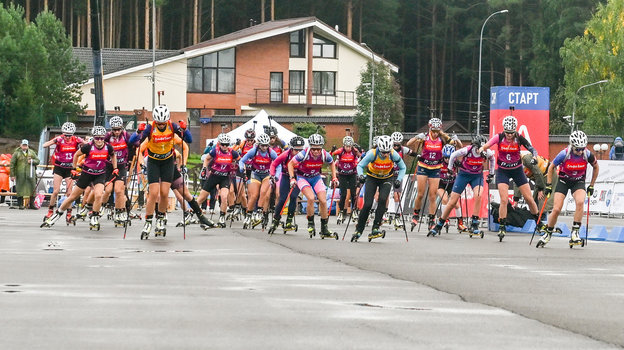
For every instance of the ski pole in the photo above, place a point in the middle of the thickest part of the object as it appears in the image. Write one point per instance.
(183, 185)
(422, 207)
(352, 210)
(539, 218)
(331, 201)
(587, 222)
(131, 194)
(403, 220)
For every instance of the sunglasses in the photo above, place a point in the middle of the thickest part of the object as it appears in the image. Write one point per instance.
(510, 132)
(579, 149)
(117, 129)
(382, 152)
(67, 135)
(99, 138)
(315, 149)
(264, 145)
(225, 145)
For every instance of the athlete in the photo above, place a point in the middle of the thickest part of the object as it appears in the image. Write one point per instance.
(572, 163)
(160, 166)
(470, 172)
(510, 167)
(66, 146)
(346, 159)
(402, 151)
(308, 164)
(97, 154)
(119, 139)
(447, 180)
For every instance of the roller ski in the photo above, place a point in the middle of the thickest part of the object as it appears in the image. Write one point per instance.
(274, 224)
(474, 229)
(460, 226)
(256, 219)
(265, 220)
(147, 228)
(206, 223)
(161, 228)
(311, 228)
(186, 220)
(247, 222)
(376, 233)
(398, 223)
(431, 222)
(83, 210)
(575, 239)
(94, 222)
(341, 217)
(69, 218)
(121, 219)
(49, 214)
(435, 230)
(354, 215)
(289, 225)
(502, 231)
(51, 220)
(108, 212)
(544, 239)
(356, 236)
(325, 232)
(221, 222)
(415, 220)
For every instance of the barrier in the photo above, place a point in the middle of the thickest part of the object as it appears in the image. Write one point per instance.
(598, 233)
(616, 235)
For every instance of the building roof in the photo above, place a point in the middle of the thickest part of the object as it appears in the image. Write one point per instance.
(286, 119)
(114, 60)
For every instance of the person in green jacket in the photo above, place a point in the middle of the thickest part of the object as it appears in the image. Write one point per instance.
(24, 172)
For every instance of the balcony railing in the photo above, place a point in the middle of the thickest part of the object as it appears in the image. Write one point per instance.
(338, 98)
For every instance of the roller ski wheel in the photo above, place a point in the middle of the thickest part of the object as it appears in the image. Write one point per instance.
(274, 226)
(476, 233)
(290, 227)
(355, 236)
(579, 241)
(311, 231)
(328, 234)
(94, 223)
(376, 234)
(398, 223)
(70, 220)
(51, 220)
(160, 232)
(48, 215)
(501, 233)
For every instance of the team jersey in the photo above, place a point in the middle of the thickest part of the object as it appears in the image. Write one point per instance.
(260, 161)
(282, 162)
(542, 164)
(160, 144)
(469, 160)
(381, 167)
(431, 156)
(308, 165)
(572, 167)
(96, 158)
(509, 150)
(65, 150)
(222, 162)
(346, 162)
(120, 145)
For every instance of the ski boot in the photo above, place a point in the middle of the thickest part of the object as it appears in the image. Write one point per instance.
(502, 230)
(311, 228)
(82, 212)
(431, 222)
(119, 222)
(274, 225)
(256, 219)
(186, 220)
(161, 229)
(325, 232)
(386, 219)
(265, 220)
(415, 219)
(340, 218)
(247, 222)
(124, 219)
(398, 222)
(49, 214)
(206, 223)
(237, 213)
(289, 225)
(147, 228)
(574, 237)
(228, 214)
(108, 212)
(460, 225)
(545, 238)
(94, 223)
(51, 220)
(221, 222)
(376, 232)
(355, 215)
(69, 218)
(435, 230)
(474, 228)
(356, 236)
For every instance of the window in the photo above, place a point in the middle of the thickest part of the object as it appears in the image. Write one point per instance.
(277, 83)
(324, 83)
(324, 48)
(297, 43)
(213, 72)
(296, 82)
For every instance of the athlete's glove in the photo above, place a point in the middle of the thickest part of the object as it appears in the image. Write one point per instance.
(490, 177)
(293, 183)
(361, 178)
(420, 136)
(273, 180)
(335, 183)
(548, 190)
(204, 173)
(115, 171)
(533, 161)
(182, 124)
(397, 184)
(141, 127)
(590, 190)
(183, 170)
(75, 174)
(143, 169)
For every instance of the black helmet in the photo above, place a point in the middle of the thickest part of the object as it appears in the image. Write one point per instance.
(297, 141)
(479, 140)
(250, 134)
(272, 131)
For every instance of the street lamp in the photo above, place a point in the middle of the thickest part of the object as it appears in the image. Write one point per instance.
(479, 84)
(575, 95)
(370, 126)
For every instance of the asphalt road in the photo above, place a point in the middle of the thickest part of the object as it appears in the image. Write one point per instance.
(71, 288)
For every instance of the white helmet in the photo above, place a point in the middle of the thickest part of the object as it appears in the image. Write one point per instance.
(224, 139)
(316, 140)
(384, 143)
(578, 139)
(375, 139)
(396, 137)
(68, 128)
(347, 141)
(263, 139)
(116, 122)
(510, 123)
(435, 124)
(161, 114)
(98, 131)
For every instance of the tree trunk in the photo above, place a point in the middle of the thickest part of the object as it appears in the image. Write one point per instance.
(272, 10)
(136, 23)
(147, 24)
(27, 9)
(159, 28)
(442, 72)
(452, 73)
(88, 18)
(199, 22)
(418, 66)
(432, 77)
(350, 19)
(212, 19)
(111, 28)
(79, 31)
(195, 22)
(262, 16)
(63, 19)
(182, 22)
(119, 24)
(360, 24)
(45, 5)
(71, 23)
(508, 71)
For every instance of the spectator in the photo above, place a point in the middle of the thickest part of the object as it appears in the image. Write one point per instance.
(617, 150)
(24, 172)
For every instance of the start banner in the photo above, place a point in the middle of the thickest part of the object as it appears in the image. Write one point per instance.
(532, 109)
